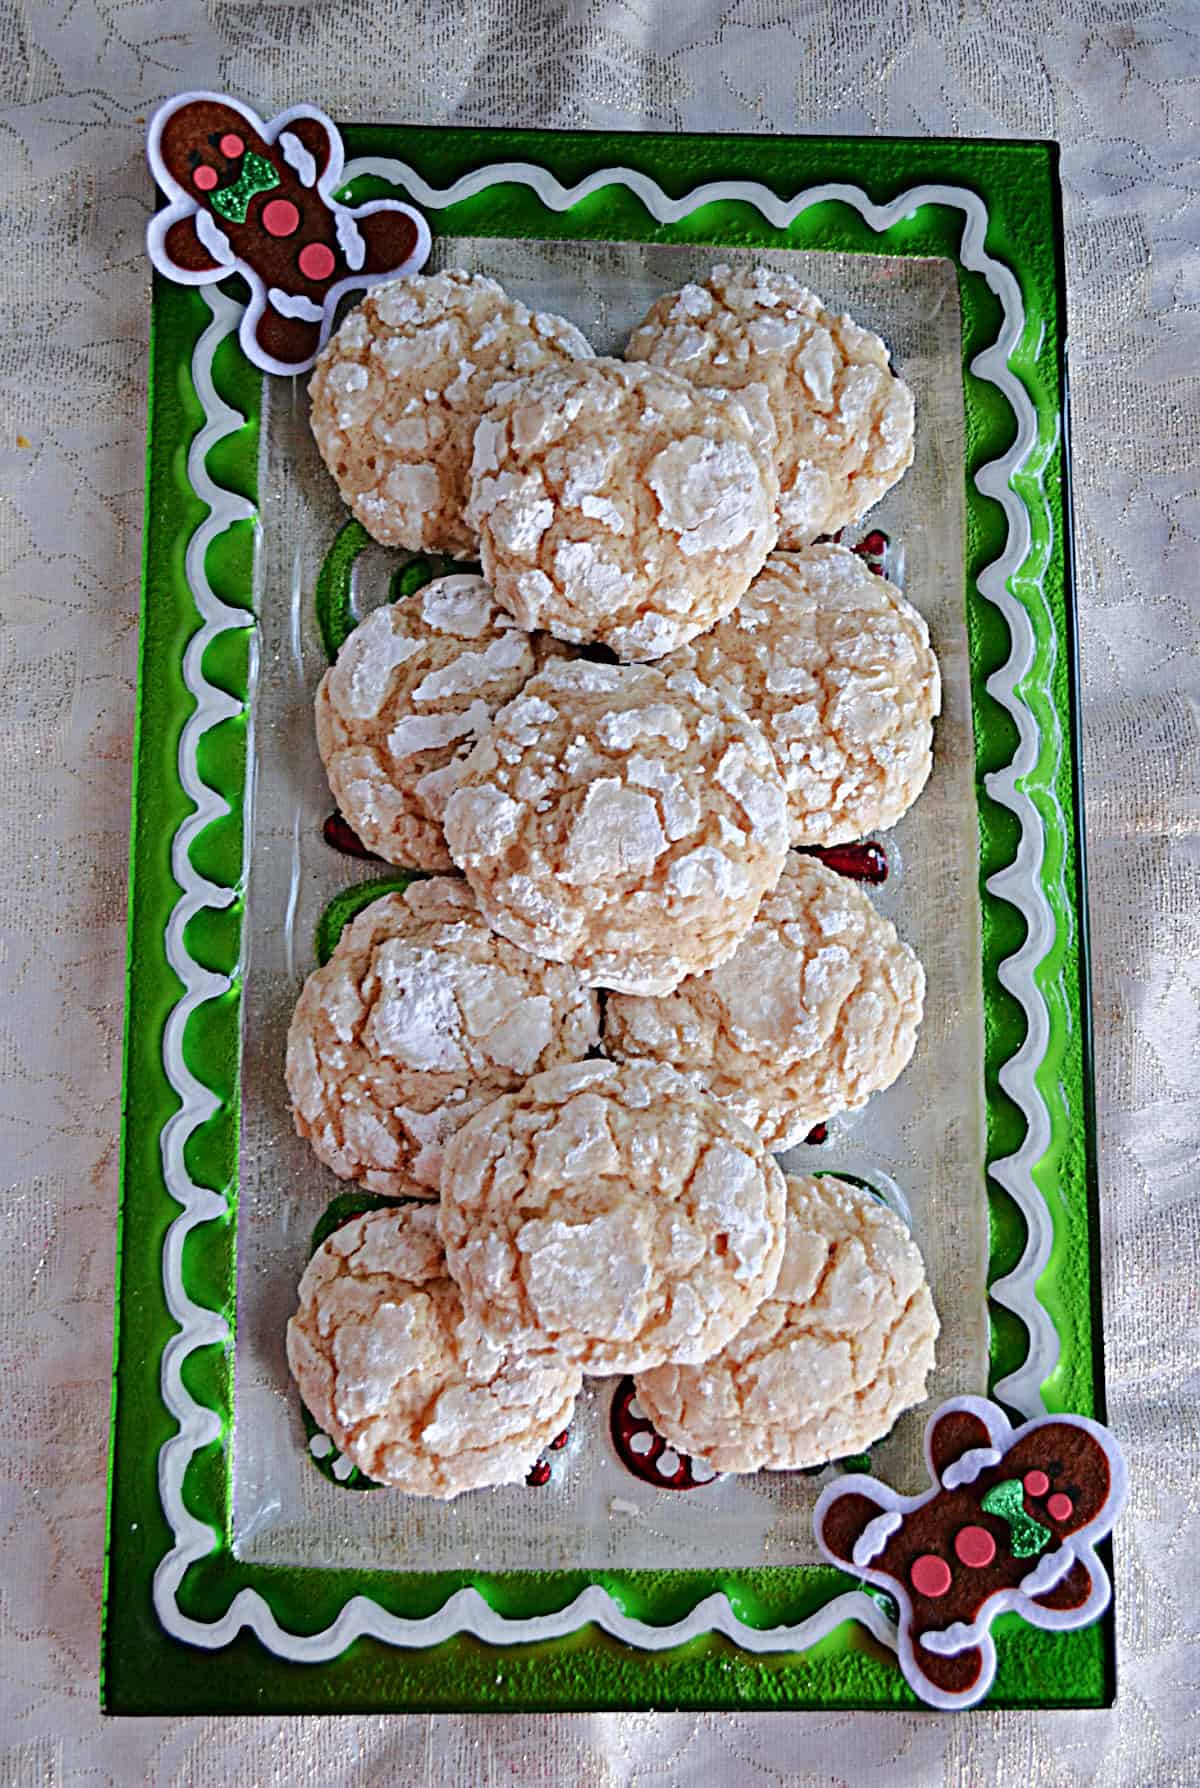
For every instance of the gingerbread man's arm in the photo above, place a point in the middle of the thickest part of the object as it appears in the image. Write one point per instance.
(843, 1517)
(1070, 1592)
(391, 235)
(187, 256)
(958, 1436)
(307, 146)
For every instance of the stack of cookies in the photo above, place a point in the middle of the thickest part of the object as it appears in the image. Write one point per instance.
(588, 1045)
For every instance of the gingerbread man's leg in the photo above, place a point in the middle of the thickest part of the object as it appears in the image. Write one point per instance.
(291, 340)
(956, 1675)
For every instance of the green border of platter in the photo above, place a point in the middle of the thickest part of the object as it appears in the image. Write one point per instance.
(188, 1627)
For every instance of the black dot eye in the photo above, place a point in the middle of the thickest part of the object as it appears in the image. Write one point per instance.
(1073, 1491)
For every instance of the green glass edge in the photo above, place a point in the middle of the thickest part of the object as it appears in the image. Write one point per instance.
(144, 1670)
(348, 903)
(333, 595)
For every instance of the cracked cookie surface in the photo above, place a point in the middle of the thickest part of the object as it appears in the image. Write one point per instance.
(421, 1016)
(403, 1381)
(837, 669)
(398, 392)
(620, 820)
(817, 1009)
(413, 688)
(616, 1216)
(621, 505)
(843, 421)
(841, 1347)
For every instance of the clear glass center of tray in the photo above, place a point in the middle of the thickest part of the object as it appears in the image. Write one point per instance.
(927, 1133)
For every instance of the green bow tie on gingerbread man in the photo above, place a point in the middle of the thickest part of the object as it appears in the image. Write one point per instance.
(1027, 1537)
(233, 202)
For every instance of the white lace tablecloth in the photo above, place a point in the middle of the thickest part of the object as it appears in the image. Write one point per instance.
(1116, 83)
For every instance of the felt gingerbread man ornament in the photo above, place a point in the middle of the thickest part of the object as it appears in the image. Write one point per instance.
(258, 199)
(1010, 1523)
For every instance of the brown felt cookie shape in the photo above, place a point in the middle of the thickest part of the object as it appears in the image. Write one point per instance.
(1011, 1523)
(257, 199)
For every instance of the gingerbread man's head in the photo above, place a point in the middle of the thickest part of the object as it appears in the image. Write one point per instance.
(258, 199)
(1010, 1523)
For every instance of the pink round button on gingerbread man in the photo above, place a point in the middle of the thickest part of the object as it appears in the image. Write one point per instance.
(280, 218)
(974, 1546)
(316, 261)
(930, 1575)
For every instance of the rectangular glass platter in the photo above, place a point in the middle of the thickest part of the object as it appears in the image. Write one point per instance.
(238, 1575)
(926, 1133)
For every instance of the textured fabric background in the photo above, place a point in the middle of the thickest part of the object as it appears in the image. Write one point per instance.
(1115, 81)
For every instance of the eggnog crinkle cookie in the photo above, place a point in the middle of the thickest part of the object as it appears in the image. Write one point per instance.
(841, 1347)
(413, 688)
(398, 392)
(402, 1381)
(619, 504)
(817, 1009)
(622, 821)
(843, 421)
(616, 1216)
(837, 669)
(420, 1017)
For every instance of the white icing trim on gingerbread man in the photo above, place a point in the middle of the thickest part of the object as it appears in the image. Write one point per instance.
(298, 157)
(968, 1468)
(875, 1536)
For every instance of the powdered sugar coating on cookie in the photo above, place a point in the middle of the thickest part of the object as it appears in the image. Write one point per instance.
(403, 1382)
(843, 421)
(840, 1348)
(617, 1216)
(420, 1017)
(618, 504)
(837, 669)
(413, 688)
(817, 1009)
(398, 391)
(620, 820)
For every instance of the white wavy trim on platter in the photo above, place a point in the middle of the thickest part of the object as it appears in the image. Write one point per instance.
(466, 1610)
